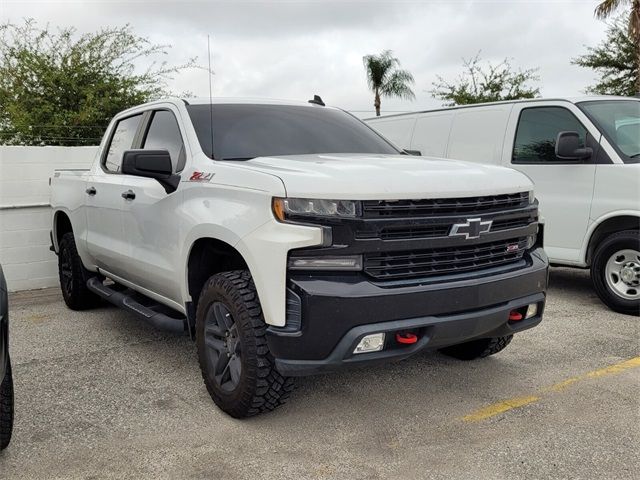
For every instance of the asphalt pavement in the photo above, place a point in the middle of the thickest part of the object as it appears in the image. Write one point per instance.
(100, 394)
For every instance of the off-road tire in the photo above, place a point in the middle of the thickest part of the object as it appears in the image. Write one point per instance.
(627, 239)
(6, 408)
(74, 288)
(260, 387)
(477, 348)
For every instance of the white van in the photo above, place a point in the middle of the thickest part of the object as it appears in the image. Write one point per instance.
(582, 154)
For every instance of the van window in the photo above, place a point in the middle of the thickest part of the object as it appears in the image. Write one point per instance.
(121, 140)
(164, 134)
(538, 129)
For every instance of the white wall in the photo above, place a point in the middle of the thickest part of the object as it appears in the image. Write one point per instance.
(25, 217)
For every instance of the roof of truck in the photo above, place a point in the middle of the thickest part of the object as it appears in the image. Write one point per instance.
(584, 98)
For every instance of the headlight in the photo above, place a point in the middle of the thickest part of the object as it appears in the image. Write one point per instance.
(532, 197)
(284, 208)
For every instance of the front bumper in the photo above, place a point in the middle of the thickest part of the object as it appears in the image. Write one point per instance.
(337, 312)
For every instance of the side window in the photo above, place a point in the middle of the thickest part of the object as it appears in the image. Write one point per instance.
(538, 129)
(164, 134)
(121, 140)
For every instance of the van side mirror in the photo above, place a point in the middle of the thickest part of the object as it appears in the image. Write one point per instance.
(568, 147)
(151, 164)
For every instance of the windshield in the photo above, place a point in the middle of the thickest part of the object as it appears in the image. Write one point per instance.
(619, 120)
(242, 132)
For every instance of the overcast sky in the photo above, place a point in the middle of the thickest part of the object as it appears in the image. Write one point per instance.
(294, 49)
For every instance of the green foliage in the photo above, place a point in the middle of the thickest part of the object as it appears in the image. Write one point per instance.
(61, 88)
(615, 59)
(478, 85)
(386, 79)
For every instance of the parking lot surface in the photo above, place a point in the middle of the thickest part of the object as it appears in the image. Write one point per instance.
(101, 395)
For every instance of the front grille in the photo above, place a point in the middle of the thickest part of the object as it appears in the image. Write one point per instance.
(445, 206)
(440, 261)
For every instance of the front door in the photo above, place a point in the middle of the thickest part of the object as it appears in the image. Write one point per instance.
(563, 188)
(151, 218)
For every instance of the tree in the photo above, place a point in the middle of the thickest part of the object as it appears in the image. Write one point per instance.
(616, 60)
(385, 78)
(478, 85)
(61, 88)
(605, 9)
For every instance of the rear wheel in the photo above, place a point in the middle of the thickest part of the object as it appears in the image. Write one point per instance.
(6, 408)
(237, 367)
(615, 271)
(73, 276)
(478, 348)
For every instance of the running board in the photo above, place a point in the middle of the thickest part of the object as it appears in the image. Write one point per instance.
(126, 301)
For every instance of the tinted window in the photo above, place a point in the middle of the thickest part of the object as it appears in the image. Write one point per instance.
(249, 131)
(164, 134)
(121, 140)
(537, 132)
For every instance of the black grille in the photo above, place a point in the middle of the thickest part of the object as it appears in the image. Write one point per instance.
(404, 232)
(439, 261)
(445, 206)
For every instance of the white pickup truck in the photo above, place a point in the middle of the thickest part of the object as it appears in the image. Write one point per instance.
(290, 239)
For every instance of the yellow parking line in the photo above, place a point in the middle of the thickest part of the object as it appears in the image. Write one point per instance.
(517, 402)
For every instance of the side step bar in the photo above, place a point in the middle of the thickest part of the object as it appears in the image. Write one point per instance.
(126, 301)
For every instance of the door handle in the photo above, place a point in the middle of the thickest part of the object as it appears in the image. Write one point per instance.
(129, 195)
(91, 191)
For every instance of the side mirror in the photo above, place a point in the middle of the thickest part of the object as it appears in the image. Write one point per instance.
(151, 164)
(416, 153)
(568, 147)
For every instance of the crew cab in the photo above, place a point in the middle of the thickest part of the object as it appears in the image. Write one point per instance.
(583, 155)
(290, 239)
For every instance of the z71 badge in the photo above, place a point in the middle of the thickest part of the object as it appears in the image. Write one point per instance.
(201, 177)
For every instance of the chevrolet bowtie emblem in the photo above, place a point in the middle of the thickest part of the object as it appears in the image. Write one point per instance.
(473, 228)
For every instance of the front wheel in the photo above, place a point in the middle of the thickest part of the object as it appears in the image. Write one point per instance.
(478, 348)
(236, 365)
(615, 271)
(6, 408)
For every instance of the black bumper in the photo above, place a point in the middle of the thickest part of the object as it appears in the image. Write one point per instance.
(338, 311)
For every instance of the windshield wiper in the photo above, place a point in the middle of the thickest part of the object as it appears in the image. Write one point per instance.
(238, 159)
(635, 155)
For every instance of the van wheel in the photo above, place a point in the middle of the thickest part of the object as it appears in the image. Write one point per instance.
(478, 348)
(236, 365)
(615, 271)
(6, 408)
(73, 276)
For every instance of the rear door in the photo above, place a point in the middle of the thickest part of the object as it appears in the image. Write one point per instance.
(106, 241)
(564, 188)
(151, 218)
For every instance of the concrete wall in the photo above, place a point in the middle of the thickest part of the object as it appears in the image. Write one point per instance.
(25, 215)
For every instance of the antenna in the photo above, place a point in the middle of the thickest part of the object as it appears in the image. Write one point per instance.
(210, 93)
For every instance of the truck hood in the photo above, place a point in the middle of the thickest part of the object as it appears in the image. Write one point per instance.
(387, 177)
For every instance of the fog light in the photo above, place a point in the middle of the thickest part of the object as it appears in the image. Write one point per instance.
(370, 343)
(532, 310)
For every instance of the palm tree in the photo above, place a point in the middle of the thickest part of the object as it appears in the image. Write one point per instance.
(607, 7)
(386, 79)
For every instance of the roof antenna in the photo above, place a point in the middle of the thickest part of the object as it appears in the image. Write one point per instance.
(317, 100)
(210, 92)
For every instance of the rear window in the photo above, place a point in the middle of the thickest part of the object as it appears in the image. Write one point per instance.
(242, 132)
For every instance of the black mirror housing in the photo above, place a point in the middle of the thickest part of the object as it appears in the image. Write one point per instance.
(151, 164)
(568, 147)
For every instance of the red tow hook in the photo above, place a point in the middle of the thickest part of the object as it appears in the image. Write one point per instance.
(514, 316)
(406, 338)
